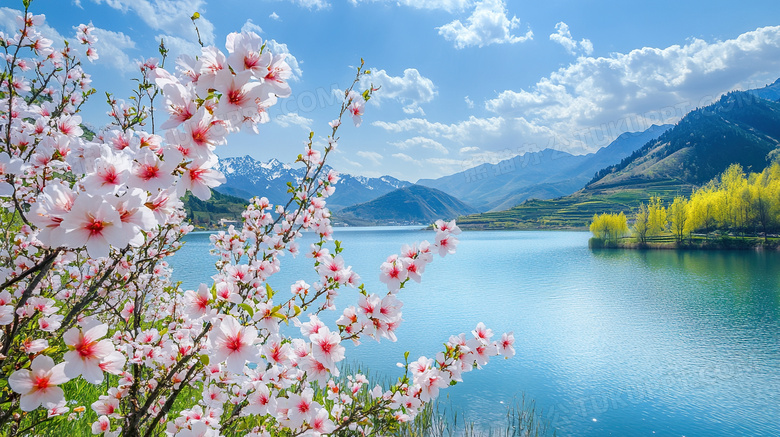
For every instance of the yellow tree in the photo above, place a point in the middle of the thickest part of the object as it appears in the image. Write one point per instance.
(760, 189)
(609, 227)
(732, 184)
(656, 217)
(641, 223)
(678, 216)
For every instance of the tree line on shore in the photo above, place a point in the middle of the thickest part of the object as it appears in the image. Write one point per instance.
(735, 202)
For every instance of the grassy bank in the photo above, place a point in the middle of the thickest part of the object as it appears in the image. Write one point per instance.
(694, 242)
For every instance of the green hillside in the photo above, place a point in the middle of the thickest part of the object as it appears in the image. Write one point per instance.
(739, 128)
(207, 214)
(414, 204)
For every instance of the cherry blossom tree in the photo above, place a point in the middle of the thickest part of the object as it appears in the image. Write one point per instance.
(89, 219)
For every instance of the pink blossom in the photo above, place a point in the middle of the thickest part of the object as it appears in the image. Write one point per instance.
(38, 386)
(321, 422)
(86, 352)
(300, 408)
(94, 223)
(445, 243)
(234, 344)
(505, 345)
(326, 347)
(260, 401)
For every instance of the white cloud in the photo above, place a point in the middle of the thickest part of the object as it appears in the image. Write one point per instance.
(293, 119)
(178, 46)
(352, 163)
(473, 130)
(411, 90)
(447, 5)
(169, 16)
(250, 26)
(468, 149)
(274, 16)
(278, 49)
(371, 156)
(407, 158)
(111, 47)
(469, 102)
(488, 24)
(425, 143)
(312, 4)
(563, 37)
(631, 91)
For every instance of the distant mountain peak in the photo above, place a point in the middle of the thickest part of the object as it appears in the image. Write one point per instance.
(248, 177)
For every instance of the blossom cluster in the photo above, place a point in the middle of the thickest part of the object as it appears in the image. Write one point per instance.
(86, 294)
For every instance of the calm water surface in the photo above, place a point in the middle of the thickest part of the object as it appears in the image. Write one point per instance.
(623, 343)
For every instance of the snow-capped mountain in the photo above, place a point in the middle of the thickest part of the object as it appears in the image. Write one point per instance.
(248, 177)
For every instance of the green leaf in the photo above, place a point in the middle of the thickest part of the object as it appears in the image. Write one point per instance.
(248, 309)
(406, 355)
(204, 359)
(269, 290)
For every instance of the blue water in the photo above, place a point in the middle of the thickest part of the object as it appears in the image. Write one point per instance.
(623, 343)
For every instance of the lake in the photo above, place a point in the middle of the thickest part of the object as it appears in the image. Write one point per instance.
(608, 342)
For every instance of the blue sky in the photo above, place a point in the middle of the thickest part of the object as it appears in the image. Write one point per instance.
(463, 81)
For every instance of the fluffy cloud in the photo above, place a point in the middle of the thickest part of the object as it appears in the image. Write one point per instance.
(421, 142)
(312, 4)
(111, 47)
(411, 90)
(587, 104)
(178, 46)
(631, 91)
(446, 5)
(488, 24)
(169, 16)
(407, 158)
(293, 119)
(371, 156)
(468, 149)
(274, 16)
(563, 37)
(250, 26)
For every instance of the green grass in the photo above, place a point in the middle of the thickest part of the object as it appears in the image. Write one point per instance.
(521, 420)
(575, 211)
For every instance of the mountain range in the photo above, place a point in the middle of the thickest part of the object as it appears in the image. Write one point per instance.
(545, 174)
(739, 128)
(247, 177)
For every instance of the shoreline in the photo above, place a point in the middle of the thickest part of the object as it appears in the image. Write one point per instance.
(732, 243)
